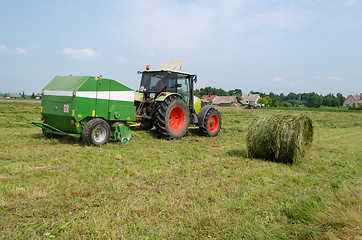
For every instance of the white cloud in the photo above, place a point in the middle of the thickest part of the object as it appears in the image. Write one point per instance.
(86, 54)
(277, 79)
(329, 79)
(16, 51)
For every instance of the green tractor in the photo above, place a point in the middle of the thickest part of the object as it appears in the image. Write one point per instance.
(166, 100)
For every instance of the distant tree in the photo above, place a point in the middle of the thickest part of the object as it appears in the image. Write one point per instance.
(238, 92)
(32, 96)
(5, 95)
(340, 99)
(275, 102)
(269, 101)
(263, 101)
(292, 96)
(23, 95)
(287, 104)
(313, 102)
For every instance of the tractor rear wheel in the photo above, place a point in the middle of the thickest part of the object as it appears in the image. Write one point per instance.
(211, 123)
(96, 132)
(172, 118)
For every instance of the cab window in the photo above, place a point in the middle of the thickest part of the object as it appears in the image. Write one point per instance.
(183, 86)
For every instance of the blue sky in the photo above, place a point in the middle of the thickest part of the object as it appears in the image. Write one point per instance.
(275, 46)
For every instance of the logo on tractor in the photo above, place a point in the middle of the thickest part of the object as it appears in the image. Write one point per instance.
(66, 108)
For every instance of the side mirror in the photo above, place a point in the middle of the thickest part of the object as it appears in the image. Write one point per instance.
(178, 85)
(194, 78)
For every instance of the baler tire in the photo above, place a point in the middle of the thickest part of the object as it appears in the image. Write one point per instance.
(96, 132)
(211, 124)
(172, 118)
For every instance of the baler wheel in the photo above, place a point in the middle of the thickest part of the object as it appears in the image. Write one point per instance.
(211, 124)
(172, 118)
(96, 132)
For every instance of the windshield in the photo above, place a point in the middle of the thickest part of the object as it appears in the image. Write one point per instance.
(153, 81)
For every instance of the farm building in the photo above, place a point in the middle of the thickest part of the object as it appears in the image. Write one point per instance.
(251, 99)
(14, 96)
(208, 98)
(226, 100)
(353, 99)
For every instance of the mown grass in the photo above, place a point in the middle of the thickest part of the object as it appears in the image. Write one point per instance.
(320, 109)
(193, 188)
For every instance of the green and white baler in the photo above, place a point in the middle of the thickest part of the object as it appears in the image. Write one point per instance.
(92, 108)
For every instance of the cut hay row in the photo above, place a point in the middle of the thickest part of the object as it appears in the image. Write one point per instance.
(280, 138)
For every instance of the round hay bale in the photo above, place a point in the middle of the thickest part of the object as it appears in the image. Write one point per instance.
(280, 138)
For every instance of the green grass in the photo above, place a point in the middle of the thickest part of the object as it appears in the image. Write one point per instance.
(193, 188)
(321, 109)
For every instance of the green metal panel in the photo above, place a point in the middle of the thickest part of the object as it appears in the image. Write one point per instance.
(103, 94)
(121, 110)
(66, 83)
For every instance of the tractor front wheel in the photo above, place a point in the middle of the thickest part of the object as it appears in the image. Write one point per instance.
(96, 132)
(211, 124)
(172, 118)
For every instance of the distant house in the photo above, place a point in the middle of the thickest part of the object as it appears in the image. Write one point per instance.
(226, 100)
(352, 99)
(38, 96)
(250, 99)
(14, 95)
(208, 98)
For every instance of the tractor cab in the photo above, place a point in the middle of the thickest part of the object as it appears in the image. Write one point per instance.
(154, 83)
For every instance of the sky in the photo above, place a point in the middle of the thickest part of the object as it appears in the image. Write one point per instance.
(277, 46)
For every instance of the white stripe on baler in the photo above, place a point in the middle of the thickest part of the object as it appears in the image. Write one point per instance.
(58, 93)
(111, 95)
(105, 95)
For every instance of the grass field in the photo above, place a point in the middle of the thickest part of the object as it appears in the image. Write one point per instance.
(193, 188)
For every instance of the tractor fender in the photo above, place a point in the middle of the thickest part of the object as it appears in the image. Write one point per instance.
(162, 97)
(202, 114)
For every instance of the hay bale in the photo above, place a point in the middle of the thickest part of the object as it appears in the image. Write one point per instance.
(280, 138)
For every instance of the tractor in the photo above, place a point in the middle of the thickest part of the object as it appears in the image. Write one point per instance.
(166, 100)
(97, 109)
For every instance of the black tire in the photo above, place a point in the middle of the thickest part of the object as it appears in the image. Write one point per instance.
(211, 123)
(96, 132)
(172, 118)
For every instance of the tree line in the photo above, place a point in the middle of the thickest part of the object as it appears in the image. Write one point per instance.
(275, 100)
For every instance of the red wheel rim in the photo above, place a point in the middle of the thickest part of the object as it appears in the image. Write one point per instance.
(213, 123)
(176, 119)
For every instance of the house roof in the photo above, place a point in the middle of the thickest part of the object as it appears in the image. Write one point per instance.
(247, 98)
(225, 99)
(14, 95)
(209, 97)
(358, 98)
